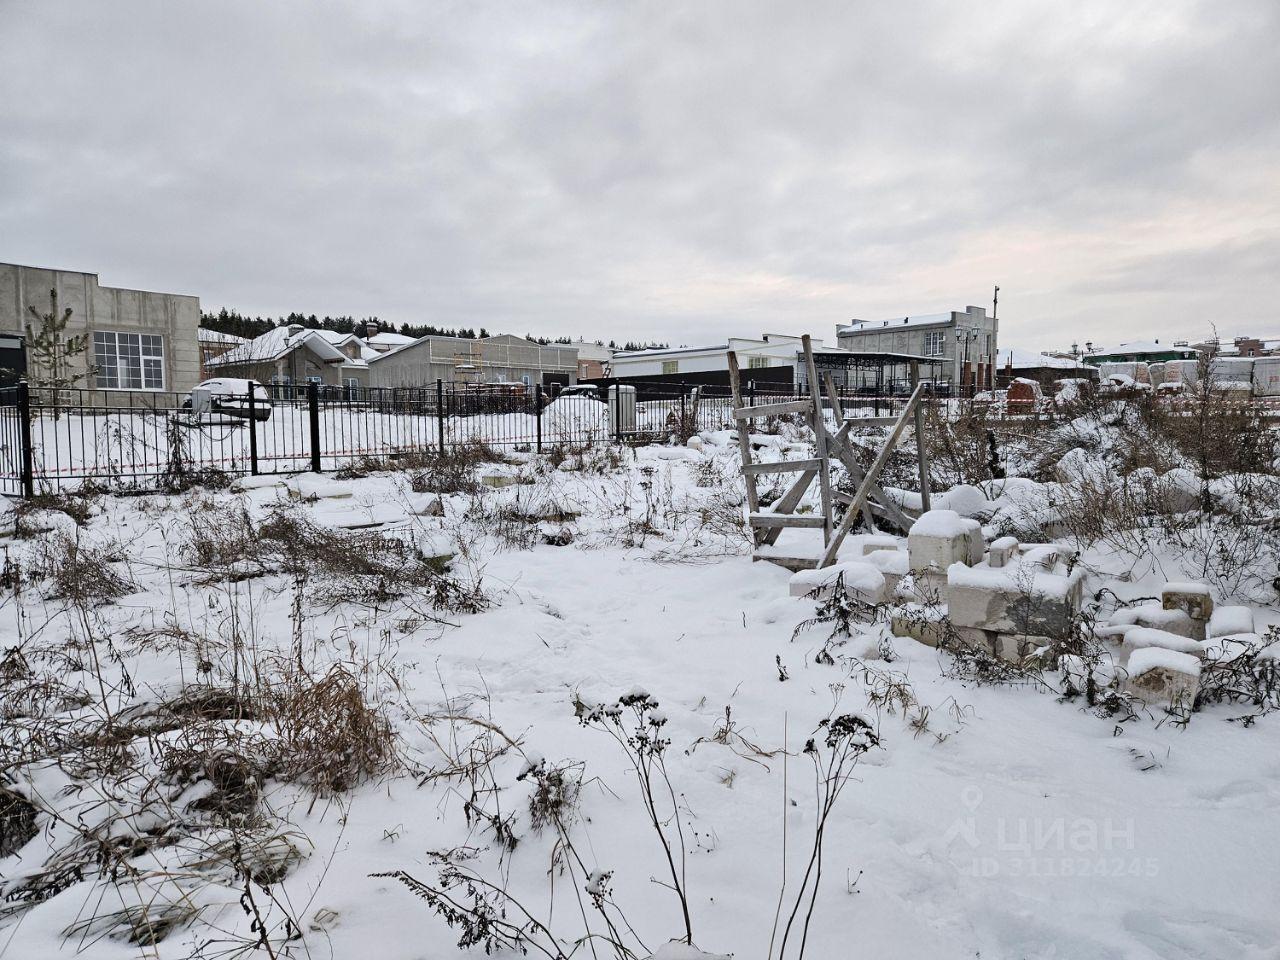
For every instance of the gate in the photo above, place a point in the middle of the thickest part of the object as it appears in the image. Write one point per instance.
(15, 441)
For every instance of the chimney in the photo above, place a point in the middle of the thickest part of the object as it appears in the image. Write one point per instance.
(370, 329)
(295, 329)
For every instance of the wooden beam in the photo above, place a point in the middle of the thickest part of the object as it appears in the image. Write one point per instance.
(840, 448)
(864, 489)
(789, 501)
(922, 454)
(783, 466)
(819, 439)
(744, 437)
(768, 409)
(786, 520)
(838, 444)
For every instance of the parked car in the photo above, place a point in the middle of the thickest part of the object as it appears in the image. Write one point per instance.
(580, 390)
(230, 395)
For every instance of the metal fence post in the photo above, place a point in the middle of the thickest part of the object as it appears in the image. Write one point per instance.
(537, 413)
(313, 409)
(440, 413)
(24, 435)
(684, 415)
(253, 433)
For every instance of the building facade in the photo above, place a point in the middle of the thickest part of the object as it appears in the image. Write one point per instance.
(137, 339)
(963, 344)
(499, 359)
(1139, 351)
(776, 358)
(593, 360)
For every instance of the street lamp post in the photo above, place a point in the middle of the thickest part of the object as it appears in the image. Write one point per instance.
(965, 336)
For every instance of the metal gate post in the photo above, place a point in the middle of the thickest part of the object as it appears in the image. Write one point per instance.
(24, 435)
(537, 413)
(440, 413)
(253, 433)
(313, 409)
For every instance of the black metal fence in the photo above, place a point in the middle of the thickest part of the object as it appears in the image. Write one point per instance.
(135, 440)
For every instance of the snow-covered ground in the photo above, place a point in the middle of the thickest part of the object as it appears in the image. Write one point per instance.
(990, 821)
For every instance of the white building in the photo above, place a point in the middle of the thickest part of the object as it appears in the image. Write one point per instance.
(779, 353)
(962, 342)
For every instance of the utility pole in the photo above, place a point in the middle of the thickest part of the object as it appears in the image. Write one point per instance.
(995, 340)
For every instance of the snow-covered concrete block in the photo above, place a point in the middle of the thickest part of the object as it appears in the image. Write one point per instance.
(1178, 491)
(1158, 675)
(893, 564)
(1002, 551)
(941, 538)
(319, 487)
(1225, 621)
(860, 580)
(1021, 598)
(1194, 598)
(1149, 638)
(1004, 646)
(241, 484)
(927, 624)
(1154, 615)
(873, 542)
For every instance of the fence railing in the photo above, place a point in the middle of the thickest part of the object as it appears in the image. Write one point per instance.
(57, 439)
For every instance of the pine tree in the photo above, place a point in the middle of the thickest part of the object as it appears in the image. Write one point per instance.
(53, 352)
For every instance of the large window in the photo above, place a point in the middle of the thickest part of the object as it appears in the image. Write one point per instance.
(935, 343)
(756, 363)
(670, 366)
(128, 361)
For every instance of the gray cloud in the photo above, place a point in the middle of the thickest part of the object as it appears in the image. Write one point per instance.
(657, 171)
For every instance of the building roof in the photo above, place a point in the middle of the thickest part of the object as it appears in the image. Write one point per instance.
(205, 335)
(279, 342)
(1136, 347)
(1028, 359)
(742, 343)
(389, 339)
(872, 326)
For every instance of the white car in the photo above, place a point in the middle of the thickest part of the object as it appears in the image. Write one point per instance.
(230, 395)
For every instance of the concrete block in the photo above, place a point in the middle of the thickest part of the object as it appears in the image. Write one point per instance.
(925, 624)
(1022, 599)
(893, 565)
(1227, 621)
(860, 580)
(942, 537)
(1002, 551)
(1164, 677)
(1151, 638)
(1194, 598)
(1158, 618)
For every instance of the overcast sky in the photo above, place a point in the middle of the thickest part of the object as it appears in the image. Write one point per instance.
(671, 171)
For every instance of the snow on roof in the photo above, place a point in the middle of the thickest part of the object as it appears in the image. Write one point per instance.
(390, 339)
(205, 335)
(278, 342)
(866, 326)
(1029, 358)
(1136, 347)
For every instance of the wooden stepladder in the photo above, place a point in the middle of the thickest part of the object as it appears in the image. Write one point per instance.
(869, 501)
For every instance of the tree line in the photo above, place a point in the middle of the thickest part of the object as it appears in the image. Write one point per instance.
(237, 324)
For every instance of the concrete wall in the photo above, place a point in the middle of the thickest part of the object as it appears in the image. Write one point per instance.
(174, 317)
(503, 358)
(894, 336)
